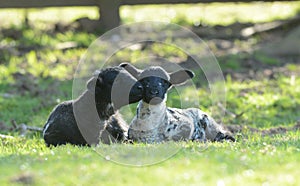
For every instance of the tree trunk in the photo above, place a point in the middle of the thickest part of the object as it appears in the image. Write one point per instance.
(109, 13)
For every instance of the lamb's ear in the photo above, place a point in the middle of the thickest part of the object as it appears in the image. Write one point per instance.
(180, 76)
(135, 72)
(96, 73)
(91, 83)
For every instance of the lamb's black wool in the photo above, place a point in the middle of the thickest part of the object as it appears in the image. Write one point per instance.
(82, 121)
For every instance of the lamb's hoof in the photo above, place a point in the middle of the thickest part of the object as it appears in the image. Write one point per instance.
(224, 137)
(128, 141)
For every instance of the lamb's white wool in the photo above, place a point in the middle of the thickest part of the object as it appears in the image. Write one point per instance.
(155, 122)
(158, 123)
(146, 125)
(150, 115)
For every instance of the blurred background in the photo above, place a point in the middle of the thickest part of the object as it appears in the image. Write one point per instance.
(256, 44)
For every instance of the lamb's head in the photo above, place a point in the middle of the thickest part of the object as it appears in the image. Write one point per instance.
(115, 85)
(156, 81)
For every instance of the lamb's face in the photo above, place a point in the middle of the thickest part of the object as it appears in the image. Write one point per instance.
(155, 89)
(156, 81)
(116, 85)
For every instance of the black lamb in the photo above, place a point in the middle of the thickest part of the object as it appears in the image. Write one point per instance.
(92, 116)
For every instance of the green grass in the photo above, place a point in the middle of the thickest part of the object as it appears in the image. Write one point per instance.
(251, 161)
(35, 75)
(212, 14)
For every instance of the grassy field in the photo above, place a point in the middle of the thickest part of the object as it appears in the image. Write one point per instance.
(36, 74)
(253, 160)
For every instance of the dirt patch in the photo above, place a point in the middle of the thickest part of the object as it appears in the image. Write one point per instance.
(248, 57)
(25, 179)
(235, 129)
(27, 84)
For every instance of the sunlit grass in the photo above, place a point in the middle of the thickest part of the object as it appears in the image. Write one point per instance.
(43, 16)
(215, 13)
(264, 103)
(254, 160)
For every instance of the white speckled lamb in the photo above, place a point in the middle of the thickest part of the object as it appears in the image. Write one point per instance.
(155, 122)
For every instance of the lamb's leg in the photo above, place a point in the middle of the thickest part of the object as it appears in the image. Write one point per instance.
(215, 132)
(115, 130)
(199, 130)
(224, 137)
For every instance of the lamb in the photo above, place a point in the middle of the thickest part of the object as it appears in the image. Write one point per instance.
(155, 122)
(93, 116)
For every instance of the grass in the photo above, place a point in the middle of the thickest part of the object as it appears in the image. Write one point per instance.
(253, 160)
(35, 75)
(211, 14)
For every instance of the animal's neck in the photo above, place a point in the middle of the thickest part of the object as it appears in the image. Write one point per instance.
(158, 109)
(103, 108)
(156, 112)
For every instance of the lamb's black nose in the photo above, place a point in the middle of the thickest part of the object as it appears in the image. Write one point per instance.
(154, 92)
